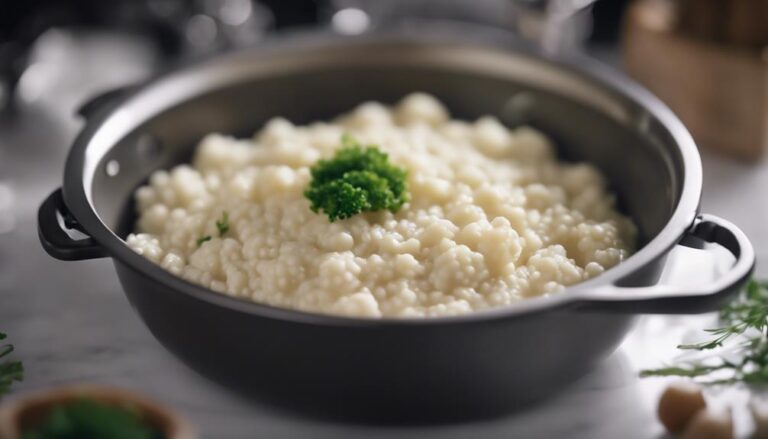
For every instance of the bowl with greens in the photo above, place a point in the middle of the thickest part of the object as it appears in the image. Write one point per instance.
(90, 412)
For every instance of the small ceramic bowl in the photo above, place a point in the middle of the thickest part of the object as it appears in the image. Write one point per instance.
(29, 410)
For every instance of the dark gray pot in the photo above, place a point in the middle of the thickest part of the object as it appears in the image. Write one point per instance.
(475, 365)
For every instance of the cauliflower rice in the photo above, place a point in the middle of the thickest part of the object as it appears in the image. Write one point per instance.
(493, 217)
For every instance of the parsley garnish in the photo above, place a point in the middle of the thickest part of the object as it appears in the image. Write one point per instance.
(746, 318)
(356, 180)
(203, 239)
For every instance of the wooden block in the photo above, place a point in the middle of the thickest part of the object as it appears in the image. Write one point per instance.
(720, 92)
(701, 19)
(747, 23)
(738, 22)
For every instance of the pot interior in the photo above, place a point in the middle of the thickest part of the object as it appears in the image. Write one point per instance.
(237, 94)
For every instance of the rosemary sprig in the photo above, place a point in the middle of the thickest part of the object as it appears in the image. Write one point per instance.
(10, 371)
(746, 318)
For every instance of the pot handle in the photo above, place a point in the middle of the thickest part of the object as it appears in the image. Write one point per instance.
(668, 299)
(55, 240)
(97, 102)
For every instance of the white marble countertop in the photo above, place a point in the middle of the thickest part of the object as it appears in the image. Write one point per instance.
(71, 322)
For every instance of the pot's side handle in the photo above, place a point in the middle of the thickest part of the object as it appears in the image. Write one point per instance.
(667, 299)
(102, 100)
(55, 240)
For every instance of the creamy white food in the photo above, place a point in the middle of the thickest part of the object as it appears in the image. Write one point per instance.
(493, 217)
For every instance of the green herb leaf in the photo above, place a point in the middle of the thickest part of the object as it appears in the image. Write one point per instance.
(356, 180)
(223, 224)
(203, 239)
(745, 318)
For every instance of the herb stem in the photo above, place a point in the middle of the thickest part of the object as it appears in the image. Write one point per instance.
(746, 319)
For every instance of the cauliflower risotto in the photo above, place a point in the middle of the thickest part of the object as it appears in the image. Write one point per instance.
(492, 217)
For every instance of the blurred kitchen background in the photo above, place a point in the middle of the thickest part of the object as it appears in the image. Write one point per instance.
(58, 51)
(705, 58)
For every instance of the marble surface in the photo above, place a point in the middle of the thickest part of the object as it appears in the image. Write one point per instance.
(71, 322)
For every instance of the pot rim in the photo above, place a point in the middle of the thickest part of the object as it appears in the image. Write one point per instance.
(581, 68)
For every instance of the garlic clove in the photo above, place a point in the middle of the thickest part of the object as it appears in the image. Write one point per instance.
(710, 424)
(678, 405)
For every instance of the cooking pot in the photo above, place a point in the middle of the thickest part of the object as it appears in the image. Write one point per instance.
(473, 365)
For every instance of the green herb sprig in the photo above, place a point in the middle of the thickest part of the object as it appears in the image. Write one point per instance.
(222, 225)
(87, 419)
(356, 180)
(10, 371)
(746, 319)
